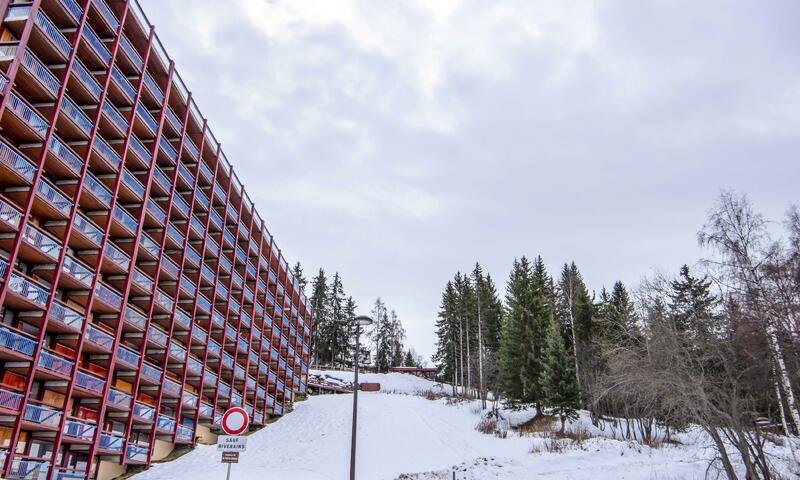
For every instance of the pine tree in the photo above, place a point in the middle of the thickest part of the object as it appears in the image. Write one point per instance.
(515, 353)
(621, 317)
(542, 309)
(575, 312)
(335, 335)
(319, 302)
(692, 305)
(559, 387)
(446, 334)
(297, 271)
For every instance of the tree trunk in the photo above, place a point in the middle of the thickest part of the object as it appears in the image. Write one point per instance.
(571, 306)
(480, 354)
(461, 351)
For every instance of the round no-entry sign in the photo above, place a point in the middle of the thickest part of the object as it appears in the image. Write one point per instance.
(235, 421)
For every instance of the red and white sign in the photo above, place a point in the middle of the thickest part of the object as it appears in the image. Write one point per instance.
(235, 421)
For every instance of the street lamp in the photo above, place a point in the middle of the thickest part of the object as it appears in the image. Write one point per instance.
(360, 321)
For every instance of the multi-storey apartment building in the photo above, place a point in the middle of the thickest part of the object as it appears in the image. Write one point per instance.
(141, 293)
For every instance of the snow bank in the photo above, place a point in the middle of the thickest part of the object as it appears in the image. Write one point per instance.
(408, 434)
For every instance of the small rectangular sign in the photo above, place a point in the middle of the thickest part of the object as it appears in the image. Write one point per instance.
(230, 457)
(230, 443)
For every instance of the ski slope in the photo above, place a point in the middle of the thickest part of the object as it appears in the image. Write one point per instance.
(407, 434)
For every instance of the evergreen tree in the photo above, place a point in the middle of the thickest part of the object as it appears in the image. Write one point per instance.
(542, 308)
(575, 311)
(408, 359)
(319, 302)
(446, 337)
(297, 271)
(515, 356)
(621, 317)
(559, 387)
(692, 305)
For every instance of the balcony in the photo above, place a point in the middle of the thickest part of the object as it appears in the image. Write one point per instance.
(131, 55)
(148, 247)
(161, 182)
(119, 400)
(104, 158)
(9, 217)
(125, 221)
(61, 162)
(175, 236)
(143, 412)
(165, 423)
(10, 401)
(180, 206)
(110, 443)
(64, 319)
(115, 259)
(163, 301)
(39, 418)
(142, 283)
(134, 319)
(122, 92)
(106, 299)
(153, 89)
(73, 124)
(37, 247)
(157, 336)
(184, 434)
(190, 148)
(171, 389)
(24, 121)
(98, 340)
(189, 400)
(192, 257)
(145, 126)
(77, 430)
(113, 124)
(82, 85)
(28, 469)
(127, 358)
(53, 366)
(89, 383)
(46, 39)
(24, 294)
(169, 152)
(33, 78)
(94, 195)
(177, 352)
(95, 50)
(76, 275)
(105, 13)
(133, 190)
(169, 268)
(140, 152)
(136, 454)
(172, 122)
(151, 374)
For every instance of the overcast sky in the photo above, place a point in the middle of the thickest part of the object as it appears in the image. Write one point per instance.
(400, 141)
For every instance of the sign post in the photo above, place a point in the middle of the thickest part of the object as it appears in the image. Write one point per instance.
(234, 422)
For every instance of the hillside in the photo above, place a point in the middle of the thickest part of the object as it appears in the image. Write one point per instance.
(403, 433)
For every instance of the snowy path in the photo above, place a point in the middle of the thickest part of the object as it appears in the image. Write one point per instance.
(407, 434)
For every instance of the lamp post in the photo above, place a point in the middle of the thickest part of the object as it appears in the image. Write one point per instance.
(360, 321)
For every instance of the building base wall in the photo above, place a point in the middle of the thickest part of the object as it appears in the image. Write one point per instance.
(109, 470)
(205, 436)
(162, 449)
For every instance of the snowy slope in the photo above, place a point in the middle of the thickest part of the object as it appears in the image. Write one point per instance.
(409, 434)
(390, 382)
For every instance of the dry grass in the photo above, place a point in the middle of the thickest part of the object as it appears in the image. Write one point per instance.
(538, 424)
(490, 426)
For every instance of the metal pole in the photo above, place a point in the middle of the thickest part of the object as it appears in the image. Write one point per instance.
(355, 408)
(228, 477)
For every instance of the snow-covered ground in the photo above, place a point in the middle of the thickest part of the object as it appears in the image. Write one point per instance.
(402, 433)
